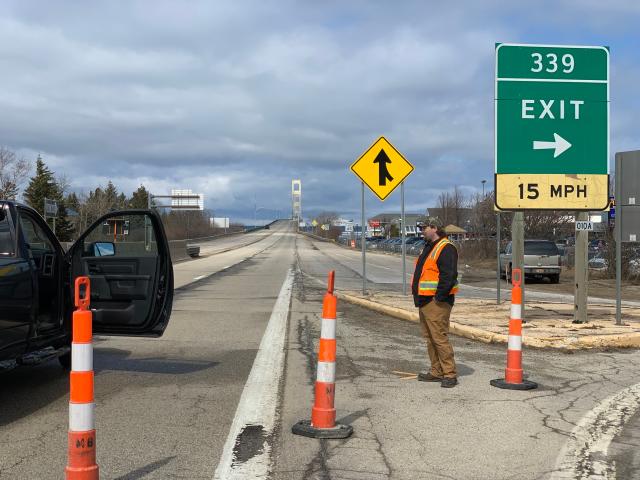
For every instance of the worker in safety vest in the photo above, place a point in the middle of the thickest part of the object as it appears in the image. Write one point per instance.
(434, 286)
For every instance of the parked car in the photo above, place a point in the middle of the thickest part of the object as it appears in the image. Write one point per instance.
(541, 259)
(416, 247)
(124, 253)
(598, 263)
(408, 242)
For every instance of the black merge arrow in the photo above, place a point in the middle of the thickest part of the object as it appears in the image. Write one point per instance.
(383, 173)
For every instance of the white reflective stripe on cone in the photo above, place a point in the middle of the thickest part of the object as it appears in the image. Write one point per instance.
(82, 417)
(515, 342)
(326, 372)
(81, 357)
(516, 311)
(328, 329)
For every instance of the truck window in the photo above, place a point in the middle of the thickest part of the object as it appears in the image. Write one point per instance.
(35, 236)
(540, 248)
(7, 245)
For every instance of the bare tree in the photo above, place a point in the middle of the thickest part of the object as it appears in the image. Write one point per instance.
(457, 205)
(450, 207)
(64, 184)
(548, 224)
(14, 171)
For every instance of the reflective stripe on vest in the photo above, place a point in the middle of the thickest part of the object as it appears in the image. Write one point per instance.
(430, 276)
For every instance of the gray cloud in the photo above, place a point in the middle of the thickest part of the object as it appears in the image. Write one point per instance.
(235, 99)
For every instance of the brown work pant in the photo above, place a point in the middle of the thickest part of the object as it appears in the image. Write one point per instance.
(434, 321)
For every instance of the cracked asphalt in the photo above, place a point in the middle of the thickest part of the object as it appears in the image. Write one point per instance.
(164, 407)
(404, 429)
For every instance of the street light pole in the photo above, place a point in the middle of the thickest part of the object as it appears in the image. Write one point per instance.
(483, 182)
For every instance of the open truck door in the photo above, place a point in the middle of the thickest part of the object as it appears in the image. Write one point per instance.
(125, 254)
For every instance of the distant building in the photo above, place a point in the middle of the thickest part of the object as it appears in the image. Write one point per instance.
(455, 233)
(381, 223)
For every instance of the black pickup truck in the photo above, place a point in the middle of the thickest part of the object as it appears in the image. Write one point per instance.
(126, 256)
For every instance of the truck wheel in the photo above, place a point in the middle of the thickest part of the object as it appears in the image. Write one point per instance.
(554, 278)
(65, 360)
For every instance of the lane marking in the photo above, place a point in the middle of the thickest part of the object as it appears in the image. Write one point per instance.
(584, 456)
(259, 400)
(240, 260)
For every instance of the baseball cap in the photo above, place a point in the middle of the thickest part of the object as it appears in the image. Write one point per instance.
(434, 222)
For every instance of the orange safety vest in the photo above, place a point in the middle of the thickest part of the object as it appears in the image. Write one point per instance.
(430, 276)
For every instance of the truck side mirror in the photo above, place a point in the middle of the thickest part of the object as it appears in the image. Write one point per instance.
(104, 249)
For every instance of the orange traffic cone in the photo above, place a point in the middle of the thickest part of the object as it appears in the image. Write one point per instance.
(323, 414)
(513, 373)
(82, 429)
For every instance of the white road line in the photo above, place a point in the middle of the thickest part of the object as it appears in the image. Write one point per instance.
(584, 456)
(256, 413)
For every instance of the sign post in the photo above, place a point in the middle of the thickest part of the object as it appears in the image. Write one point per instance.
(583, 227)
(403, 240)
(552, 134)
(364, 248)
(382, 168)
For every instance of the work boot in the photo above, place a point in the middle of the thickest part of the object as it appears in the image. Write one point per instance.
(449, 382)
(427, 377)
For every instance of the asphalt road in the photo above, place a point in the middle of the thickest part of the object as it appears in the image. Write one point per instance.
(404, 429)
(384, 270)
(176, 407)
(163, 406)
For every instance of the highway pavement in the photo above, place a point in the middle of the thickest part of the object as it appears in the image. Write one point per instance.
(217, 395)
(163, 406)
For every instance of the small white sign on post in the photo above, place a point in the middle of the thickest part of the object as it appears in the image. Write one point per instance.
(348, 228)
(582, 226)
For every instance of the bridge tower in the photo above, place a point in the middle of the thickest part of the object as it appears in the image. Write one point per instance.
(296, 200)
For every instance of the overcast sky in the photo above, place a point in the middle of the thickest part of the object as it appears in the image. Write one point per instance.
(234, 99)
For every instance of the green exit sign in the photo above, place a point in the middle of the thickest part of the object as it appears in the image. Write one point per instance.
(552, 127)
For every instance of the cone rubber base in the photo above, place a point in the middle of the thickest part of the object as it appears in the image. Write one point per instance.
(304, 428)
(525, 385)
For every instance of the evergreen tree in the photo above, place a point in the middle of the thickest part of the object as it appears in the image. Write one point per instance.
(72, 201)
(139, 198)
(111, 196)
(41, 186)
(64, 228)
(121, 204)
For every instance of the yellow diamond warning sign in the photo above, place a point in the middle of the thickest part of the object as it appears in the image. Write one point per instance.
(382, 168)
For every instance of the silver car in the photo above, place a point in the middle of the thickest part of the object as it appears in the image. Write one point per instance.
(541, 259)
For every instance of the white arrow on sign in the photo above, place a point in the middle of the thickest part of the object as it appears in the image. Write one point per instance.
(559, 144)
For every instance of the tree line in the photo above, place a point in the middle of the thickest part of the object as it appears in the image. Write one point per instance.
(77, 211)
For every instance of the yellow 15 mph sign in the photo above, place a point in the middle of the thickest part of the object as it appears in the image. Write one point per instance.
(382, 168)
